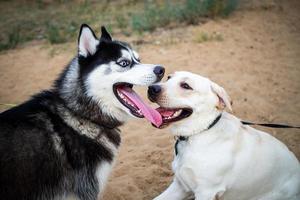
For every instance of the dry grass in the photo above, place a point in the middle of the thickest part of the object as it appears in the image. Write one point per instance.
(58, 21)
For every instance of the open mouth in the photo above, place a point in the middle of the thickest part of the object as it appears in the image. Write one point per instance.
(170, 115)
(137, 107)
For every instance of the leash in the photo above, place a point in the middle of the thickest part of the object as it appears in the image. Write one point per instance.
(8, 104)
(270, 125)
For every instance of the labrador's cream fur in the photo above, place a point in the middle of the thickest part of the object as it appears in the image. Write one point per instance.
(230, 161)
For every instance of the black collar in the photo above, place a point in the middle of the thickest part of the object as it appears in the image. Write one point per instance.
(185, 138)
(214, 122)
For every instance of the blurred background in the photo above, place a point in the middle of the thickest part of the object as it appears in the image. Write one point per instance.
(250, 47)
(57, 21)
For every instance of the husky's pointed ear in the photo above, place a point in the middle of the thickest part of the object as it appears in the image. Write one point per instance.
(87, 41)
(224, 99)
(105, 34)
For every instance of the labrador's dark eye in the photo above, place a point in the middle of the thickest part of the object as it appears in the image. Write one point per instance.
(186, 86)
(169, 77)
(124, 63)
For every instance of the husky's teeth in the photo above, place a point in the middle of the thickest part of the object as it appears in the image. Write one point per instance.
(124, 98)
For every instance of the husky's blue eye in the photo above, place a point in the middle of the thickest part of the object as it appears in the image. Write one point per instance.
(124, 63)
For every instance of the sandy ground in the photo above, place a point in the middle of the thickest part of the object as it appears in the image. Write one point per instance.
(257, 63)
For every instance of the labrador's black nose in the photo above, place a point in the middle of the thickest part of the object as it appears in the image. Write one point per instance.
(159, 71)
(154, 89)
(153, 92)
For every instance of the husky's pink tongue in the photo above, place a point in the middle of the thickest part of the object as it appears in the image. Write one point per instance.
(149, 113)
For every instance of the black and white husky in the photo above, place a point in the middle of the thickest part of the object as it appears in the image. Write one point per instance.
(63, 141)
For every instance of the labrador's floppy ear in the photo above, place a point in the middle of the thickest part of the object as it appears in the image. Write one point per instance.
(105, 34)
(224, 99)
(87, 41)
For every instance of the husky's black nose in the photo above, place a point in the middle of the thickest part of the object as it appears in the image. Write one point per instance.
(153, 92)
(159, 71)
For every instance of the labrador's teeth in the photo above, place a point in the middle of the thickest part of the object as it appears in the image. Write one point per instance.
(177, 113)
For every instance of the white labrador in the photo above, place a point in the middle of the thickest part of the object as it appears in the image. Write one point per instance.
(219, 157)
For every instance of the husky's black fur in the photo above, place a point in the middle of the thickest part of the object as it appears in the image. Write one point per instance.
(41, 155)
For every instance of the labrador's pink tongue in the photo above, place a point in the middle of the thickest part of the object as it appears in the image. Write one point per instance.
(149, 113)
